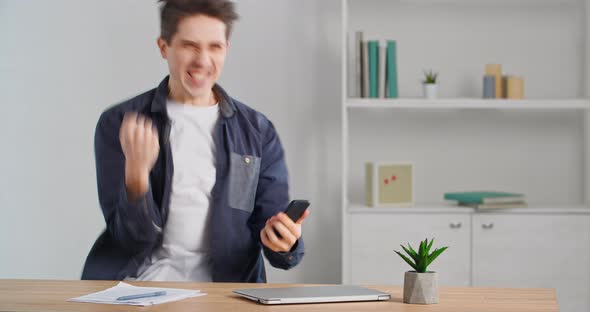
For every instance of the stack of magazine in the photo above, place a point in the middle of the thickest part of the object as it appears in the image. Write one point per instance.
(487, 199)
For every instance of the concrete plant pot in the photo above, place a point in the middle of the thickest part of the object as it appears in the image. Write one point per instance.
(430, 90)
(421, 288)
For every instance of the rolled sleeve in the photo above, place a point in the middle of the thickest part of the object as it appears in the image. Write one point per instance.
(136, 225)
(286, 260)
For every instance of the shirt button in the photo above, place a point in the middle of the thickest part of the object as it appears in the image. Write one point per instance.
(247, 160)
(290, 258)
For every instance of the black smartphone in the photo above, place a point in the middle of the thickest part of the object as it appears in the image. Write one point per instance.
(296, 209)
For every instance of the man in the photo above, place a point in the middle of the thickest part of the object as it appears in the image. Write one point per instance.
(191, 182)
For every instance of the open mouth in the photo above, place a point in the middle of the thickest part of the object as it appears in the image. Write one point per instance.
(197, 75)
(197, 79)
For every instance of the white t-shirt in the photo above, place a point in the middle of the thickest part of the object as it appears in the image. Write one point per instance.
(184, 255)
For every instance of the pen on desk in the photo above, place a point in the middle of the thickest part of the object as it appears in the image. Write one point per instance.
(139, 296)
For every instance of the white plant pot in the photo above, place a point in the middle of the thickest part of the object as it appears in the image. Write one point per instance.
(421, 288)
(430, 90)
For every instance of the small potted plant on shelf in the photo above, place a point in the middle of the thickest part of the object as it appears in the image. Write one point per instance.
(430, 84)
(420, 285)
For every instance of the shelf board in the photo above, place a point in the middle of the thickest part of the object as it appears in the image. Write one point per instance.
(470, 103)
(445, 207)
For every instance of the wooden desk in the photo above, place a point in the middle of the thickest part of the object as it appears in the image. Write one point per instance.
(46, 295)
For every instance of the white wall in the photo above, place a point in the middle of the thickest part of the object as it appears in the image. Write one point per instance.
(63, 62)
(284, 61)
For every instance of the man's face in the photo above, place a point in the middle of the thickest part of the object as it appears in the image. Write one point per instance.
(196, 55)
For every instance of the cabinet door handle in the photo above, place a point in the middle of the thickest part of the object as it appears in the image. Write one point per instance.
(487, 226)
(455, 225)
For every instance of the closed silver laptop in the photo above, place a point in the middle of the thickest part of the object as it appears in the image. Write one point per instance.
(312, 294)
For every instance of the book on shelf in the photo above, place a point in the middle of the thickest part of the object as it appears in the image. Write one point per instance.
(372, 67)
(350, 66)
(354, 70)
(391, 64)
(382, 68)
(365, 69)
(358, 70)
(515, 204)
(484, 197)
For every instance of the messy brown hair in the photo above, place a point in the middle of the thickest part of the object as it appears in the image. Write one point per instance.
(173, 11)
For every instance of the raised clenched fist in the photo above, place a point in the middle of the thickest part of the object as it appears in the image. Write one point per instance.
(139, 141)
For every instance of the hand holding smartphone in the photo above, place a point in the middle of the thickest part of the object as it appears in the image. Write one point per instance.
(296, 209)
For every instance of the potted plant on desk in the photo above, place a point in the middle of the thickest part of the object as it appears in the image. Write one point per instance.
(420, 285)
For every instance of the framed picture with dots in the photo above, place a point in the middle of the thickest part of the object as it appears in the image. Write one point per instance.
(389, 184)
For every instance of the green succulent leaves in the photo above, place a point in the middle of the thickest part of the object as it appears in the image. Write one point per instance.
(423, 258)
(430, 77)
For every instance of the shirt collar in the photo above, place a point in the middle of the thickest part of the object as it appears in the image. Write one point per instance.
(226, 103)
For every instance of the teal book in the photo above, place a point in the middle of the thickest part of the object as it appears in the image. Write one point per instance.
(373, 68)
(392, 69)
(484, 197)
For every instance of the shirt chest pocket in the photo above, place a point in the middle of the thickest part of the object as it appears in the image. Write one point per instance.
(243, 180)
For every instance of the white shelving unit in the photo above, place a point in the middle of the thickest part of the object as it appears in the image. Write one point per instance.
(450, 208)
(470, 103)
(550, 127)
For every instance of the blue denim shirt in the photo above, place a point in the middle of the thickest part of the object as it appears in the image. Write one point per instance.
(246, 193)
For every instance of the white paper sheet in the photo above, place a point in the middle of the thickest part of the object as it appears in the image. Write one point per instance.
(109, 296)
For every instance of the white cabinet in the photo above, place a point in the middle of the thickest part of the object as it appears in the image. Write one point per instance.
(535, 251)
(522, 248)
(375, 236)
